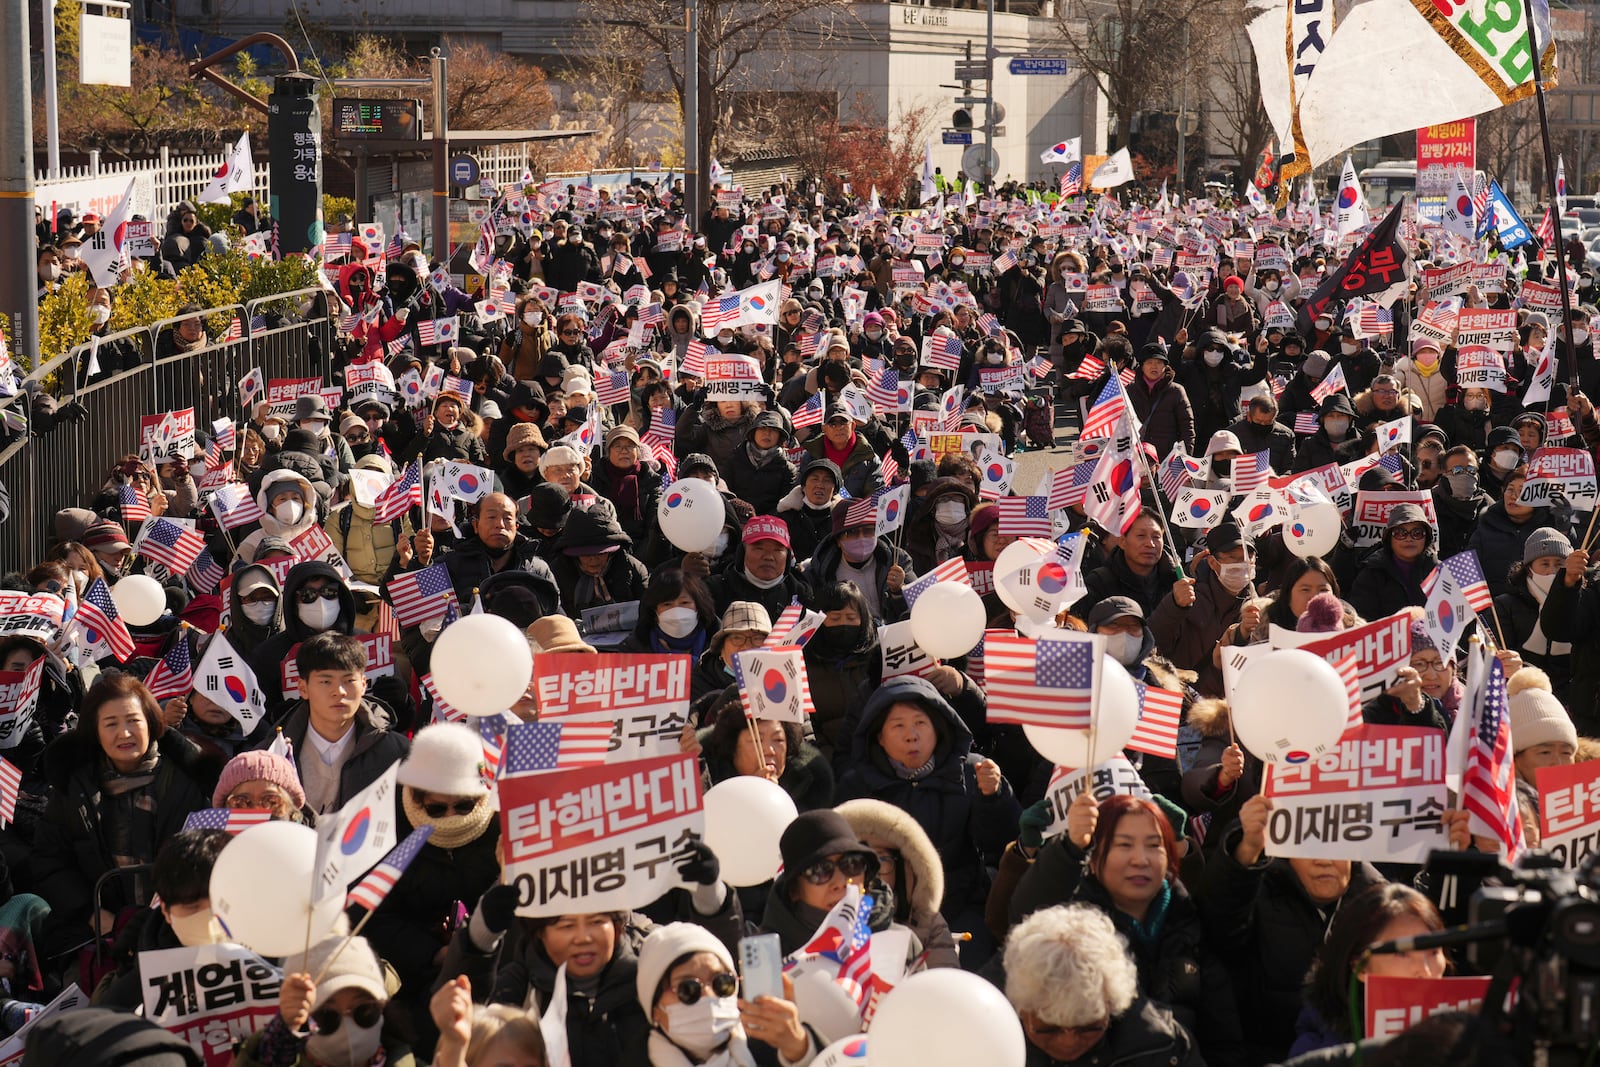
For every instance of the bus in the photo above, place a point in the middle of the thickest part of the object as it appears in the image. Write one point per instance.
(1386, 183)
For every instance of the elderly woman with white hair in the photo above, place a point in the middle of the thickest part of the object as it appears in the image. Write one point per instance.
(1076, 990)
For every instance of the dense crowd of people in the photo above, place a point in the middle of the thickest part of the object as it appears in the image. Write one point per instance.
(1142, 929)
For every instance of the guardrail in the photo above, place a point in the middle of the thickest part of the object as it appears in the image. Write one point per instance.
(292, 337)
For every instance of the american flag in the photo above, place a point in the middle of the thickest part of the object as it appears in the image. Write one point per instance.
(716, 312)
(612, 388)
(1488, 783)
(97, 613)
(885, 392)
(235, 330)
(461, 388)
(336, 245)
(1332, 383)
(1069, 485)
(442, 711)
(1072, 179)
(1375, 321)
(234, 507)
(1394, 463)
(1045, 682)
(808, 346)
(694, 359)
(809, 413)
(1106, 411)
(173, 674)
(205, 573)
(135, 508)
(947, 350)
(492, 735)
(398, 496)
(1160, 712)
(370, 891)
(1039, 367)
(1305, 422)
(233, 820)
(1251, 471)
(1024, 516)
(10, 786)
(1004, 262)
(534, 747)
(1480, 203)
(174, 547)
(663, 425)
(1349, 668)
(438, 331)
(990, 325)
(953, 569)
(1088, 370)
(1467, 570)
(863, 512)
(1547, 226)
(891, 468)
(418, 596)
(1176, 472)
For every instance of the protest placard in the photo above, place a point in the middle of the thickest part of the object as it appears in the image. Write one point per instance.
(1569, 811)
(1487, 327)
(1381, 648)
(170, 433)
(645, 695)
(1394, 1004)
(1553, 472)
(281, 393)
(1371, 515)
(19, 696)
(733, 378)
(35, 615)
(1115, 777)
(594, 839)
(380, 661)
(1479, 367)
(901, 653)
(1377, 796)
(1441, 282)
(211, 996)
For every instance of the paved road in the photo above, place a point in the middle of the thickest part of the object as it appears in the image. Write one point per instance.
(1032, 464)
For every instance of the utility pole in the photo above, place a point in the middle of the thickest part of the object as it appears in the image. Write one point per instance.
(692, 185)
(441, 160)
(52, 120)
(19, 271)
(988, 108)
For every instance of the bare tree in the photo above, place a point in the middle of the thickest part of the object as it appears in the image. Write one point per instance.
(1132, 49)
(1240, 126)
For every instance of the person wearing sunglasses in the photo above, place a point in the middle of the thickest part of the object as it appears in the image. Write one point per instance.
(331, 1012)
(822, 857)
(688, 983)
(315, 600)
(261, 781)
(1391, 575)
(1076, 992)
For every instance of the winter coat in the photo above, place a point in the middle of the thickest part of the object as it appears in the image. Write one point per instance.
(1432, 390)
(1116, 578)
(919, 880)
(807, 776)
(863, 473)
(270, 526)
(607, 481)
(1573, 615)
(367, 545)
(1188, 636)
(823, 570)
(1146, 1035)
(807, 525)
(761, 487)
(964, 825)
(625, 578)
(1498, 541)
(921, 536)
(1381, 588)
(375, 748)
(1165, 413)
(1319, 450)
(840, 681)
(470, 565)
(274, 652)
(1267, 930)
(1278, 440)
(1457, 518)
(522, 350)
(459, 443)
(708, 432)
(730, 584)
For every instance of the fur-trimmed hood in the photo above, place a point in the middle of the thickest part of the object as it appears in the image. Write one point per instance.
(1210, 717)
(1365, 408)
(876, 821)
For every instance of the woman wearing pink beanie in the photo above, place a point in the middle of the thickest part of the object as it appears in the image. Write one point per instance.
(261, 779)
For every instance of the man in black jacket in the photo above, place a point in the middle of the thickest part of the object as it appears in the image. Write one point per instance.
(498, 547)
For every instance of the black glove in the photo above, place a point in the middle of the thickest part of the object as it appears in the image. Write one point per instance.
(498, 906)
(72, 412)
(882, 913)
(700, 865)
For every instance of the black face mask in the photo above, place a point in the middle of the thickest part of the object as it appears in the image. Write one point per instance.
(838, 639)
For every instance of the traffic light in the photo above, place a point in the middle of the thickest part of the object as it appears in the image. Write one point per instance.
(962, 119)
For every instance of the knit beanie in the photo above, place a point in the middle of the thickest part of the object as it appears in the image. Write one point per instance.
(1537, 717)
(259, 766)
(1324, 614)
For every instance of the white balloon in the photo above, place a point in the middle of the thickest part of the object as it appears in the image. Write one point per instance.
(745, 816)
(1289, 706)
(1019, 553)
(261, 889)
(139, 598)
(823, 1003)
(481, 664)
(946, 1018)
(948, 619)
(1116, 717)
(846, 1052)
(691, 514)
(1313, 530)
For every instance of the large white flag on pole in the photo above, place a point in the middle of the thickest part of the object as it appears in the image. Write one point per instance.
(236, 175)
(1115, 171)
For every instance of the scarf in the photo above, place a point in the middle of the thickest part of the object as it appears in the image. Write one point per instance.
(695, 644)
(911, 774)
(1155, 918)
(624, 491)
(1425, 370)
(736, 1053)
(590, 591)
(449, 831)
(128, 811)
(839, 455)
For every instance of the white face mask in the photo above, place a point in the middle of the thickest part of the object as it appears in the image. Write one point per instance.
(1579, 336)
(1271, 285)
(260, 613)
(1348, 348)
(1124, 648)
(198, 929)
(858, 549)
(1337, 428)
(702, 1027)
(100, 314)
(1505, 459)
(80, 580)
(1539, 585)
(319, 615)
(271, 432)
(348, 1046)
(1213, 358)
(1235, 576)
(289, 512)
(52, 272)
(874, 335)
(1323, 324)
(532, 318)
(949, 512)
(719, 547)
(1475, 403)
(677, 622)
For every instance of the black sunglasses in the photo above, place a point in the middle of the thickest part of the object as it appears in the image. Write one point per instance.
(690, 990)
(365, 1015)
(311, 596)
(851, 865)
(437, 810)
(571, 333)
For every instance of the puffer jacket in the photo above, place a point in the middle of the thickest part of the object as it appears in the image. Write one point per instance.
(1431, 390)
(1498, 541)
(807, 525)
(862, 471)
(1146, 1035)
(918, 878)
(823, 570)
(367, 545)
(270, 525)
(1165, 412)
(1188, 636)
(967, 828)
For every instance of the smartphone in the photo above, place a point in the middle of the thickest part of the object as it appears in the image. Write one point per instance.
(761, 966)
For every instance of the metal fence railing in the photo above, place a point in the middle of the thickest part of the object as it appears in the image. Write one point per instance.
(68, 466)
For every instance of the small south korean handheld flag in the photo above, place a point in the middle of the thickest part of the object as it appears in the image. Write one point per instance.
(356, 837)
(1460, 215)
(1350, 203)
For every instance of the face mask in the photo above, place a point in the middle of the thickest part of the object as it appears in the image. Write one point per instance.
(319, 615)
(949, 512)
(1475, 403)
(1539, 585)
(1462, 485)
(1315, 365)
(198, 929)
(874, 335)
(1506, 460)
(260, 614)
(858, 549)
(52, 272)
(100, 314)
(348, 1046)
(783, 257)
(1579, 336)
(270, 433)
(995, 358)
(1336, 427)
(1349, 349)
(289, 512)
(749, 250)
(1213, 358)
(956, 261)
(719, 547)
(677, 622)
(724, 339)
(1323, 324)
(702, 1027)
(1235, 576)
(1271, 285)
(1124, 648)
(532, 318)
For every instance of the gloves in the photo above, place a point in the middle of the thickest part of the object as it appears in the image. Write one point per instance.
(882, 913)
(72, 412)
(403, 314)
(1031, 824)
(497, 907)
(700, 866)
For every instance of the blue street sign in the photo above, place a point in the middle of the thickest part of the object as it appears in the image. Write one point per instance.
(1045, 65)
(463, 170)
(956, 137)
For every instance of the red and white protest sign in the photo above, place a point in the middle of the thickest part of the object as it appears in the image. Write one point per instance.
(901, 653)
(168, 434)
(1371, 516)
(1377, 796)
(1487, 327)
(1381, 648)
(35, 615)
(380, 661)
(604, 838)
(645, 695)
(19, 696)
(1115, 777)
(1569, 811)
(1553, 472)
(211, 996)
(281, 393)
(313, 543)
(733, 378)
(1479, 367)
(1395, 1004)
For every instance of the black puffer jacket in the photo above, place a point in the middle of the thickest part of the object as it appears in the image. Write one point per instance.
(1146, 1035)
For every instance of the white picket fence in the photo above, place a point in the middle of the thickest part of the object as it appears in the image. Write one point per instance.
(159, 184)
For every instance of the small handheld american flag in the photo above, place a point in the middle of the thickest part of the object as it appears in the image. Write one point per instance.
(809, 413)
(174, 547)
(134, 506)
(536, 747)
(371, 890)
(233, 820)
(1046, 682)
(173, 674)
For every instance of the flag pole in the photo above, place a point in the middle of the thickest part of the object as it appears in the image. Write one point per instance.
(1550, 181)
